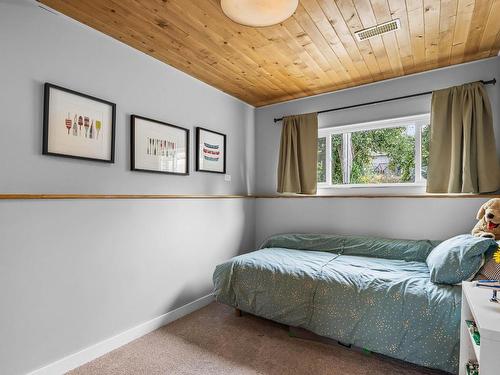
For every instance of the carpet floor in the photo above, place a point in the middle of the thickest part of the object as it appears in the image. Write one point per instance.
(214, 341)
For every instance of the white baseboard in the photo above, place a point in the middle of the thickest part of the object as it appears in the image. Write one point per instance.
(88, 354)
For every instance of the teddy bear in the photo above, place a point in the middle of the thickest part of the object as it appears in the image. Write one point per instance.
(489, 220)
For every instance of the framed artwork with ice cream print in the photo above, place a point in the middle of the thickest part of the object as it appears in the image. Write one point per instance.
(77, 125)
(210, 151)
(158, 147)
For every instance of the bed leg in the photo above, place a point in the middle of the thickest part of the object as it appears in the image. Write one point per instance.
(237, 312)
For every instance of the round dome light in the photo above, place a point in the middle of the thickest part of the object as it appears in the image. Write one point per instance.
(259, 13)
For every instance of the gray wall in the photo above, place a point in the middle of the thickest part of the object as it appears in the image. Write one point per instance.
(267, 134)
(73, 273)
(391, 217)
(412, 218)
(38, 46)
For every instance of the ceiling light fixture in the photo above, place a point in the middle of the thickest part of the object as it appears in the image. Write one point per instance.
(259, 13)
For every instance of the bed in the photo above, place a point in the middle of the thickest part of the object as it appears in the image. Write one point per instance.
(369, 292)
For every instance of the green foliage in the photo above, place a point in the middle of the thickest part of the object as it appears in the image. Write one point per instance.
(392, 142)
(426, 138)
(337, 177)
(395, 144)
(321, 175)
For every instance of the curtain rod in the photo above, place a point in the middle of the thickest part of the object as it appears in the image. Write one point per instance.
(490, 82)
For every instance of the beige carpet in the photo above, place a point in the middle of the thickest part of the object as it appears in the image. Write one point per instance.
(214, 341)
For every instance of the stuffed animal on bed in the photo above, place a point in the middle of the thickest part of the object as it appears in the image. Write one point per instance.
(489, 220)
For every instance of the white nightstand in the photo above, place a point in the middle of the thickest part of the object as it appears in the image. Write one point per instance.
(476, 306)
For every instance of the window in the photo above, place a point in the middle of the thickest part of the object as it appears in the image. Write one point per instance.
(382, 153)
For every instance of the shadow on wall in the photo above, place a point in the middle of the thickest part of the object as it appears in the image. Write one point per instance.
(243, 240)
(249, 227)
(184, 296)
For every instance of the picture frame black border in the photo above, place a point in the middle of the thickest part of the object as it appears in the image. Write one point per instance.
(198, 128)
(132, 145)
(46, 106)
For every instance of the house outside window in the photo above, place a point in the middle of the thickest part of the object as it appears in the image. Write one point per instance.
(387, 153)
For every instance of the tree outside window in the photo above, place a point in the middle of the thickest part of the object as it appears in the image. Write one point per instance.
(386, 152)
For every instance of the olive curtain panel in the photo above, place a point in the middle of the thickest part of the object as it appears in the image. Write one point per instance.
(298, 156)
(462, 153)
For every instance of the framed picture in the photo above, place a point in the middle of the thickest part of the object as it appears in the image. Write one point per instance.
(158, 147)
(77, 125)
(210, 151)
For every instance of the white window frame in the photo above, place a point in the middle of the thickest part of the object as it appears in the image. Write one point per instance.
(418, 186)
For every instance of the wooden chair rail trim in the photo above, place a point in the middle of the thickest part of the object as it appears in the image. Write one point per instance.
(371, 196)
(116, 196)
(194, 196)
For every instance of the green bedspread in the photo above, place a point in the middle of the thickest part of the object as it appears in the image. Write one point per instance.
(366, 298)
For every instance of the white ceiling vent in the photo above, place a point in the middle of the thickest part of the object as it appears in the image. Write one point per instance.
(380, 29)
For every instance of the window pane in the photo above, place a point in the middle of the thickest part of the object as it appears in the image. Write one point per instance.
(321, 174)
(337, 159)
(383, 156)
(426, 137)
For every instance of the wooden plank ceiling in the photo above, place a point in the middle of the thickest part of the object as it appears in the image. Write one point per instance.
(313, 52)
